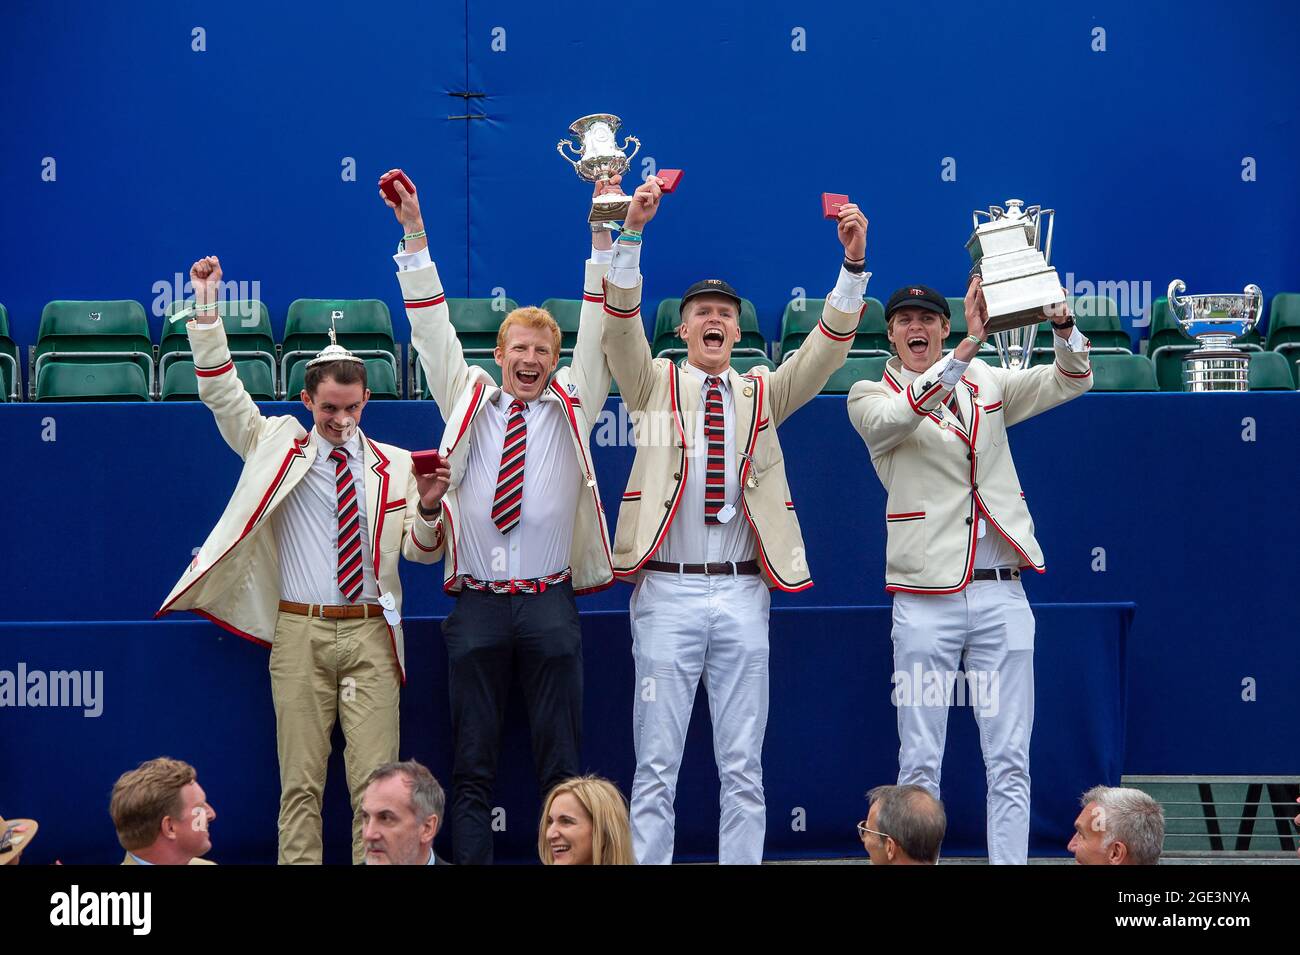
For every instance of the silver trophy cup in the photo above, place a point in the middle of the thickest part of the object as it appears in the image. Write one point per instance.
(1215, 321)
(1018, 281)
(599, 157)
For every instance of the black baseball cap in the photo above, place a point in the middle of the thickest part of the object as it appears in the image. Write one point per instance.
(708, 287)
(917, 296)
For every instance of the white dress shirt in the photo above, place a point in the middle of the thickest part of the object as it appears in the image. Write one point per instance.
(542, 542)
(690, 540)
(307, 531)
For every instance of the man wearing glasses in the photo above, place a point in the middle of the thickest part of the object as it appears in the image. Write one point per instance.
(904, 826)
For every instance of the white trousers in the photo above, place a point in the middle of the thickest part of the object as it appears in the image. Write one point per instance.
(990, 627)
(685, 627)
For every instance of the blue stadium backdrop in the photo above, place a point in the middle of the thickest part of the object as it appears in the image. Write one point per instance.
(139, 136)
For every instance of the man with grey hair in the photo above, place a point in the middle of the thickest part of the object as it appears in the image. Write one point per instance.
(401, 811)
(904, 826)
(1118, 827)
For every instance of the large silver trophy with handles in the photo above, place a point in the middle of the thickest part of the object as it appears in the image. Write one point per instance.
(1018, 281)
(1215, 321)
(600, 157)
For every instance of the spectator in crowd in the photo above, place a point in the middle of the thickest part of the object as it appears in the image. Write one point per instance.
(161, 814)
(401, 813)
(1118, 826)
(584, 822)
(905, 825)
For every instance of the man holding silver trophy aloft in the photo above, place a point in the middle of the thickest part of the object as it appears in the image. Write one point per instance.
(959, 533)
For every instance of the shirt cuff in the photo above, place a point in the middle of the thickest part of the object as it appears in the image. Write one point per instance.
(849, 290)
(625, 270)
(406, 261)
(953, 371)
(601, 256)
(1075, 342)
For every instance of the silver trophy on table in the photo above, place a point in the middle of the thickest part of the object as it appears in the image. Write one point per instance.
(1018, 281)
(1215, 321)
(599, 158)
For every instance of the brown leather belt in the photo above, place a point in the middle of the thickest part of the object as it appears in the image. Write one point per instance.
(328, 612)
(996, 573)
(722, 568)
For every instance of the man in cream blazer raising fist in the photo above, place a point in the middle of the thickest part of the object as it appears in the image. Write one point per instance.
(304, 561)
(959, 534)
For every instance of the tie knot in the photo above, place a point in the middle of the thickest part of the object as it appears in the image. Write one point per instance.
(516, 406)
(713, 381)
(339, 455)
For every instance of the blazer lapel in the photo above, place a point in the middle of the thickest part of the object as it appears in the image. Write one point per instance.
(744, 399)
(375, 469)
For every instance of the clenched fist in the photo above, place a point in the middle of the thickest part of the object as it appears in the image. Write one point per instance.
(205, 277)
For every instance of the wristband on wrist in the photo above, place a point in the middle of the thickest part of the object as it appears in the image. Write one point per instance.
(427, 514)
(630, 235)
(855, 267)
(206, 308)
(1068, 323)
(979, 342)
(411, 236)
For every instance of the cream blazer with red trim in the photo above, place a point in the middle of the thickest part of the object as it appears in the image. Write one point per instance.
(235, 579)
(462, 392)
(664, 402)
(941, 476)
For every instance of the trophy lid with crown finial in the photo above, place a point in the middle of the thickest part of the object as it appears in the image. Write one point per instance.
(333, 351)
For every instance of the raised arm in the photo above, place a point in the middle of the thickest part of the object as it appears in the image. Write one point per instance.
(623, 337)
(238, 418)
(1034, 390)
(432, 334)
(590, 370)
(805, 373)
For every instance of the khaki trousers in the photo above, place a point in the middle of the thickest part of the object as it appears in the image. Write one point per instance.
(323, 670)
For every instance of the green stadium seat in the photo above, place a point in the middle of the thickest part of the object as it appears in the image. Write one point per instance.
(668, 318)
(1167, 345)
(796, 323)
(84, 381)
(566, 312)
(248, 334)
(1115, 372)
(477, 320)
(744, 363)
(1270, 371)
(381, 379)
(11, 376)
(957, 322)
(855, 369)
(1284, 330)
(363, 326)
(1097, 317)
(179, 383)
(94, 332)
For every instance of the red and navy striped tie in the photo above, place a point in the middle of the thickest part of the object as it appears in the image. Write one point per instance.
(509, 498)
(351, 576)
(715, 474)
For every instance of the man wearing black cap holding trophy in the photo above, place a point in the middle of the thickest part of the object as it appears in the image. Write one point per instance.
(959, 534)
(707, 526)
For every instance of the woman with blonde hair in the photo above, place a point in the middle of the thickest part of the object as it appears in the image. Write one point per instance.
(584, 822)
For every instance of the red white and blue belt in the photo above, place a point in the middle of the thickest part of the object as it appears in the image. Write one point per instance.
(535, 585)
